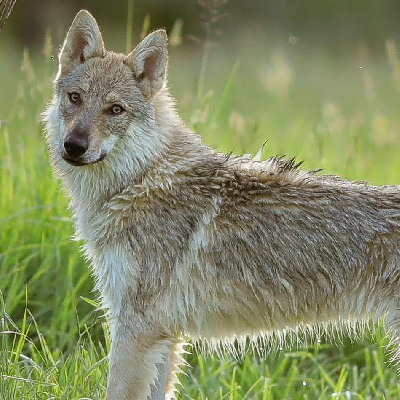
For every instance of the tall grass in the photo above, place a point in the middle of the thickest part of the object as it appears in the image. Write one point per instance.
(53, 340)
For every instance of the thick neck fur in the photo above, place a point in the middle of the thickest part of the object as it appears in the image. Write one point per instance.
(145, 158)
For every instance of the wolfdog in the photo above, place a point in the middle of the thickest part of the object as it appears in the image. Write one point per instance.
(188, 242)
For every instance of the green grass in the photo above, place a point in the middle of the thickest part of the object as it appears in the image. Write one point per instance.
(53, 340)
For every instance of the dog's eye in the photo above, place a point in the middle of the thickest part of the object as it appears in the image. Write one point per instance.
(74, 97)
(116, 109)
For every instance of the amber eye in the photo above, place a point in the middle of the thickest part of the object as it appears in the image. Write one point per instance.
(116, 109)
(74, 98)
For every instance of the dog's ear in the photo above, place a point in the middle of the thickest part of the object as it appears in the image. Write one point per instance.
(83, 41)
(149, 62)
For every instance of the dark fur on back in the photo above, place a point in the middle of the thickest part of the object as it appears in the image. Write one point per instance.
(185, 241)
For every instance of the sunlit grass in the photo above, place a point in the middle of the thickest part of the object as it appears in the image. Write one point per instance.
(53, 341)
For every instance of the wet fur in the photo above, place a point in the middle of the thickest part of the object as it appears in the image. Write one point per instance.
(185, 241)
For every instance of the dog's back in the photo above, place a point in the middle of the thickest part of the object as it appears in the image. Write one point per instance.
(186, 241)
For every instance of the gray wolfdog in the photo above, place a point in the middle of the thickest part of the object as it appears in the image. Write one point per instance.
(188, 242)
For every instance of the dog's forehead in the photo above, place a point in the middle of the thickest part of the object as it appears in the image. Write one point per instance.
(106, 76)
(111, 71)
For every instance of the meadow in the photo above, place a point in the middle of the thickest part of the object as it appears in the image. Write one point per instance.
(337, 114)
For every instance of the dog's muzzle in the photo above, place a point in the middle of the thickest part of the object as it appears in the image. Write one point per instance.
(75, 146)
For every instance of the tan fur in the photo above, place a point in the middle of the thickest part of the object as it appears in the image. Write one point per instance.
(185, 241)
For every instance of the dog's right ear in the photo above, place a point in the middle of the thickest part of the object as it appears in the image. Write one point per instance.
(148, 62)
(83, 41)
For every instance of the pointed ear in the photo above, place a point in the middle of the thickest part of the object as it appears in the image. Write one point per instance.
(83, 41)
(149, 62)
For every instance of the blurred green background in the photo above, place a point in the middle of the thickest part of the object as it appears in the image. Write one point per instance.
(297, 61)
(319, 80)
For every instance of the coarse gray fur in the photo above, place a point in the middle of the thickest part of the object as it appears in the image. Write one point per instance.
(186, 241)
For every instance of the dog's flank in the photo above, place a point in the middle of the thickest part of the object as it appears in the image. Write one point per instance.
(185, 241)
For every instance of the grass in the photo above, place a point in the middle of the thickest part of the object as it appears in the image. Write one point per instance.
(53, 339)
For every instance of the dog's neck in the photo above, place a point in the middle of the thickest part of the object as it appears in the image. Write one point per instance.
(147, 158)
(92, 187)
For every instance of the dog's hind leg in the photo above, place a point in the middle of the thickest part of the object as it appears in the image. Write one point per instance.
(167, 374)
(143, 362)
(392, 323)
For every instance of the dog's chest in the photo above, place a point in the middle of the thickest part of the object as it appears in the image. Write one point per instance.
(116, 272)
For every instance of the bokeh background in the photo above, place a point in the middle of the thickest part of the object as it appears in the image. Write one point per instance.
(292, 62)
(318, 80)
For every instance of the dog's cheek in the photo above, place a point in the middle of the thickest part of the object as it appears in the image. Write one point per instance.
(108, 144)
(56, 127)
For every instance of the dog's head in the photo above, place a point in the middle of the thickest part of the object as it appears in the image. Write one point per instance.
(101, 96)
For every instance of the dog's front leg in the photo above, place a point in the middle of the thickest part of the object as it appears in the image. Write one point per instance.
(140, 362)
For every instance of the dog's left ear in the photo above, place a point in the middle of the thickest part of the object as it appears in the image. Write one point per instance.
(149, 62)
(83, 41)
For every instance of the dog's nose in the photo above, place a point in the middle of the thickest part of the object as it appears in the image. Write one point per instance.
(75, 146)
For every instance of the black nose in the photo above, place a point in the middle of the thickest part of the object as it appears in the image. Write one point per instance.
(75, 146)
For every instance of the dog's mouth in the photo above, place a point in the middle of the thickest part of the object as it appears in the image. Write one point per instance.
(76, 163)
(73, 162)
